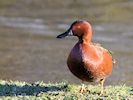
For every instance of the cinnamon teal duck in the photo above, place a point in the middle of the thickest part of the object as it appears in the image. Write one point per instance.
(87, 60)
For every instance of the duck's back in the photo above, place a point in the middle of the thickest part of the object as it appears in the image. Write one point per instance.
(89, 62)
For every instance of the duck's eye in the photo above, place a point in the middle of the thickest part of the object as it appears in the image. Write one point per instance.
(78, 27)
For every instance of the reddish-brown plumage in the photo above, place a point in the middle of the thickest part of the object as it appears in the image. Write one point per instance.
(87, 61)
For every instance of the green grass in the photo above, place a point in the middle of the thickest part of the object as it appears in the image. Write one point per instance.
(60, 91)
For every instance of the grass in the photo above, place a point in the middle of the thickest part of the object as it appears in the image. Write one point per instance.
(14, 90)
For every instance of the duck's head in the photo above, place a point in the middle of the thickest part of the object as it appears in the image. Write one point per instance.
(81, 29)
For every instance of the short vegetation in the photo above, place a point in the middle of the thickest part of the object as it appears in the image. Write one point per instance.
(16, 90)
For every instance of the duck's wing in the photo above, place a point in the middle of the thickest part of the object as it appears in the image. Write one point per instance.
(106, 50)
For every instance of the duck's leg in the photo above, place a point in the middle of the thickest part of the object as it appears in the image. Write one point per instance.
(101, 84)
(82, 88)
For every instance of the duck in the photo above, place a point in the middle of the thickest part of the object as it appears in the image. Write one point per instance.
(88, 61)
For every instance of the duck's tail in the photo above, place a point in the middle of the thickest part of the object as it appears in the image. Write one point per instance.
(111, 53)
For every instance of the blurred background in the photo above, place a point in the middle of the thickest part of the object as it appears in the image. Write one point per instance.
(29, 50)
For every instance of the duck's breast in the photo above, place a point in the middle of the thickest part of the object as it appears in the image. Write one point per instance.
(76, 65)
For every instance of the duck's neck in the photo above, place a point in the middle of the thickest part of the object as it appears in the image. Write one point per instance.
(86, 38)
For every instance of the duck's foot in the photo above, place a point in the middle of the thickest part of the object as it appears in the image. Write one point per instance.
(101, 94)
(82, 89)
(101, 83)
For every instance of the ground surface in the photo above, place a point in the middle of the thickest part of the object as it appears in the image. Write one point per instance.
(60, 91)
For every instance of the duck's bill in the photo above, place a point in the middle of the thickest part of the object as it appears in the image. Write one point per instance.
(67, 33)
